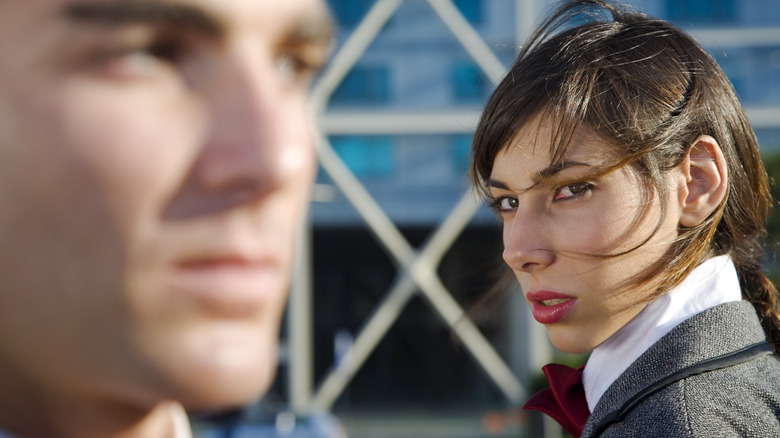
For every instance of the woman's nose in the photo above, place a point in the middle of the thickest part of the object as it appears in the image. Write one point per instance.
(526, 243)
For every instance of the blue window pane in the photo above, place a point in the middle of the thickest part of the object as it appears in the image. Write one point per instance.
(469, 83)
(471, 9)
(366, 156)
(349, 12)
(461, 153)
(754, 73)
(701, 10)
(364, 84)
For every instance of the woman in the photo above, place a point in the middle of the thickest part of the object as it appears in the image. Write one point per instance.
(633, 199)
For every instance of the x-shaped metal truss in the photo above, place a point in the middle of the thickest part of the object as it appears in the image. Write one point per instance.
(416, 267)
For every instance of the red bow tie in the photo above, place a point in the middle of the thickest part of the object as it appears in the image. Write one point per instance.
(565, 400)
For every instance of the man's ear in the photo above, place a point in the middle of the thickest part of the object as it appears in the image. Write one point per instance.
(706, 180)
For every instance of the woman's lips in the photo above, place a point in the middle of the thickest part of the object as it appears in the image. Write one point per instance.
(230, 286)
(550, 307)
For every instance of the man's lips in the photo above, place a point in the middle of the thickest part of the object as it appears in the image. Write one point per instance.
(206, 262)
(550, 307)
(228, 285)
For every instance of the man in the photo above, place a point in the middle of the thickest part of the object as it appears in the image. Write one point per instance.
(155, 160)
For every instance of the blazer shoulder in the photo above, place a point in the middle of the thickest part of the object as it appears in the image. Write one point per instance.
(743, 399)
(722, 350)
(737, 401)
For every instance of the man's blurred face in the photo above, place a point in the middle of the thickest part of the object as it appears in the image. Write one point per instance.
(155, 161)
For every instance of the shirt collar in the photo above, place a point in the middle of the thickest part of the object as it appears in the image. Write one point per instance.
(181, 424)
(712, 283)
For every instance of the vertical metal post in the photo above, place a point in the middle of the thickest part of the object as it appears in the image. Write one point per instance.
(526, 13)
(300, 327)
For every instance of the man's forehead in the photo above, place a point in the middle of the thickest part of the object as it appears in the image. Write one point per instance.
(146, 12)
(217, 16)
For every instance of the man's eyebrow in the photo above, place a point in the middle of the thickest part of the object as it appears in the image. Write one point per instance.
(539, 177)
(146, 12)
(313, 28)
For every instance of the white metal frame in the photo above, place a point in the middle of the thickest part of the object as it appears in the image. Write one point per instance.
(416, 266)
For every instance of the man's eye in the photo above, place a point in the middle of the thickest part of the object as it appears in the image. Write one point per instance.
(138, 62)
(572, 191)
(133, 64)
(300, 66)
(165, 50)
(291, 66)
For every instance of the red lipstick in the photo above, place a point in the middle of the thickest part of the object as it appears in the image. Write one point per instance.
(550, 307)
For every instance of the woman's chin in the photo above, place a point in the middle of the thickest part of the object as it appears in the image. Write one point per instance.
(568, 342)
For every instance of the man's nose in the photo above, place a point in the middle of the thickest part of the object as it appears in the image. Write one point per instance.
(260, 135)
(526, 243)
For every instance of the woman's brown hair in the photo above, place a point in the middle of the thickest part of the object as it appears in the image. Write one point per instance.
(650, 90)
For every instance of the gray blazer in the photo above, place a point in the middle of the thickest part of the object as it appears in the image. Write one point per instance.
(712, 376)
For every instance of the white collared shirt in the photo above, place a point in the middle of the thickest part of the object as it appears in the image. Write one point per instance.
(181, 423)
(712, 283)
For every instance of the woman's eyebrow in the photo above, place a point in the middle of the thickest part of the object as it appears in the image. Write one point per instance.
(164, 13)
(496, 184)
(555, 168)
(540, 176)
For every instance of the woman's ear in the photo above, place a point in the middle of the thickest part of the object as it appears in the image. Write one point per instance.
(706, 180)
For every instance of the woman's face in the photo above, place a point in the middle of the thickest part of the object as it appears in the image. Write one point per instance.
(556, 218)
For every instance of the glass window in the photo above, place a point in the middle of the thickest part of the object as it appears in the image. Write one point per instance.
(461, 153)
(469, 83)
(716, 11)
(471, 9)
(364, 84)
(349, 12)
(366, 156)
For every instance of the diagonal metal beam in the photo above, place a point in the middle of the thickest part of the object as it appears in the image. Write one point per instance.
(378, 222)
(470, 39)
(377, 325)
(352, 50)
(421, 271)
(426, 277)
(416, 268)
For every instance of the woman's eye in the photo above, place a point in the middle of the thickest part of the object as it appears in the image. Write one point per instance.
(572, 191)
(504, 204)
